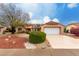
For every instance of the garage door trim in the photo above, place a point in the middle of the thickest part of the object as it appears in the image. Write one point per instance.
(51, 32)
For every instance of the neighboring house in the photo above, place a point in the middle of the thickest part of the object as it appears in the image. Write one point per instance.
(68, 27)
(28, 27)
(20, 29)
(2, 29)
(52, 28)
(32, 27)
(36, 27)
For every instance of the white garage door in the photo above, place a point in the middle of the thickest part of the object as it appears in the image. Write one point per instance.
(50, 31)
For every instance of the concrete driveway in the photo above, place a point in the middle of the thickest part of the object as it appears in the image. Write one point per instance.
(63, 42)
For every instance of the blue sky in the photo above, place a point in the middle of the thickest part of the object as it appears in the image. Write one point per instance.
(65, 13)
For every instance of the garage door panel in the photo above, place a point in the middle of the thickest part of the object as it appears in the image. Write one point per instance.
(50, 31)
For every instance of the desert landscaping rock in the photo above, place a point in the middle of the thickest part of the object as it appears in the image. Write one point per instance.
(30, 46)
(12, 41)
(6, 39)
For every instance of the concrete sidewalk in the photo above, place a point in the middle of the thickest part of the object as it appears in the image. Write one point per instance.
(39, 52)
(63, 42)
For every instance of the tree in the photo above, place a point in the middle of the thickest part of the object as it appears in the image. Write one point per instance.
(12, 16)
(65, 30)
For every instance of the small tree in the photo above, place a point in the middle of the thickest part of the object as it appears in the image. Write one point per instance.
(12, 16)
(65, 30)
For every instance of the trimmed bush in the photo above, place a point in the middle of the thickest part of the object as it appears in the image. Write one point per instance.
(37, 37)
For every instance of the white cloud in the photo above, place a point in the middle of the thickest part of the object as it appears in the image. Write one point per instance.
(72, 5)
(46, 19)
(56, 20)
(28, 7)
(73, 22)
(30, 14)
(35, 21)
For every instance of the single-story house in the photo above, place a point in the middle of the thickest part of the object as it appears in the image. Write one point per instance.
(20, 29)
(28, 28)
(69, 26)
(52, 28)
(49, 27)
(31, 27)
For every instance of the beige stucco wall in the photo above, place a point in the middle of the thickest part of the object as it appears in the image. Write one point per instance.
(53, 26)
(69, 27)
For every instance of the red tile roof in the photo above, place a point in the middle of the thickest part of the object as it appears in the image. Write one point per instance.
(52, 23)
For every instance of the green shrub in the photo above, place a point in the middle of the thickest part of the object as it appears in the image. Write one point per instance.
(37, 37)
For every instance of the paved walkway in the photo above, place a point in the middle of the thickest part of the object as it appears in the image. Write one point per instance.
(60, 47)
(63, 42)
